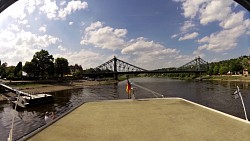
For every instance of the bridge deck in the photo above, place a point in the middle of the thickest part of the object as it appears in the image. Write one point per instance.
(144, 120)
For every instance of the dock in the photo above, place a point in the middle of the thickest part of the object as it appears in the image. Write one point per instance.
(15, 91)
(172, 119)
(27, 100)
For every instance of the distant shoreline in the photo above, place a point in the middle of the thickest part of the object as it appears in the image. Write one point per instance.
(233, 78)
(34, 88)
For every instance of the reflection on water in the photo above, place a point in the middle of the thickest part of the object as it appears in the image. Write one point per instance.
(28, 120)
(214, 94)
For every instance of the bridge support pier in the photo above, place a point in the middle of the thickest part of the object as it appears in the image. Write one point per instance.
(115, 69)
(115, 76)
(198, 75)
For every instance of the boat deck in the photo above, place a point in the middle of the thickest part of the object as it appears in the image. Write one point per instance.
(36, 96)
(173, 119)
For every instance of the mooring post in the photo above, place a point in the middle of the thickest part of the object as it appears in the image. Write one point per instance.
(115, 69)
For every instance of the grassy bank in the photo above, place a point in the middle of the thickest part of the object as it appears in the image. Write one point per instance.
(227, 78)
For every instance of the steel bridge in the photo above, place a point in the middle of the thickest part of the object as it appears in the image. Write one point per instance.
(116, 66)
(197, 64)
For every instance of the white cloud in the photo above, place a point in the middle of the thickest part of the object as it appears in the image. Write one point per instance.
(15, 12)
(60, 47)
(62, 3)
(247, 25)
(174, 36)
(187, 26)
(141, 51)
(21, 45)
(43, 28)
(191, 7)
(104, 37)
(70, 23)
(49, 8)
(13, 27)
(233, 25)
(53, 11)
(223, 40)
(206, 10)
(142, 46)
(72, 7)
(89, 59)
(31, 5)
(94, 26)
(151, 55)
(189, 36)
(24, 22)
(233, 20)
(216, 10)
(198, 53)
(221, 11)
(31, 40)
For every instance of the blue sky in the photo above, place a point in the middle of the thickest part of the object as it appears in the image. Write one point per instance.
(149, 34)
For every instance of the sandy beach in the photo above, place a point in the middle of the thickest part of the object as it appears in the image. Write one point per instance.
(46, 88)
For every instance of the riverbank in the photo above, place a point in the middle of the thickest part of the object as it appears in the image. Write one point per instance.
(237, 78)
(35, 88)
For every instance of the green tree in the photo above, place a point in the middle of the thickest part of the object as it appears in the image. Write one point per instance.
(245, 63)
(43, 63)
(10, 72)
(29, 68)
(3, 70)
(210, 69)
(216, 69)
(61, 66)
(18, 70)
(77, 74)
(89, 71)
(236, 66)
(223, 70)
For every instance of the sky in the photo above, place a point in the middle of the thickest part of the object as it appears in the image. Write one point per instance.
(150, 34)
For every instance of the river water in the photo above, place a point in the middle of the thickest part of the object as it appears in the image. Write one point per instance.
(214, 94)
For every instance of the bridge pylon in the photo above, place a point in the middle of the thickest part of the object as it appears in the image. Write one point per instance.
(117, 66)
(198, 65)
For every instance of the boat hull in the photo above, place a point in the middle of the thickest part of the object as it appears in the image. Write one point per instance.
(34, 101)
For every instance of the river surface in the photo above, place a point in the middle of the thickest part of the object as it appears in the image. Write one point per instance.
(214, 94)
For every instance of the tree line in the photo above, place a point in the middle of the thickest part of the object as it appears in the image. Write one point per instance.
(232, 66)
(225, 67)
(42, 66)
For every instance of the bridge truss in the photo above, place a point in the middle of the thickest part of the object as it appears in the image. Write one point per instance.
(117, 65)
(197, 64)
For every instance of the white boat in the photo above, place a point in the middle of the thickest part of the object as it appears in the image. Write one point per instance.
(33, 100)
